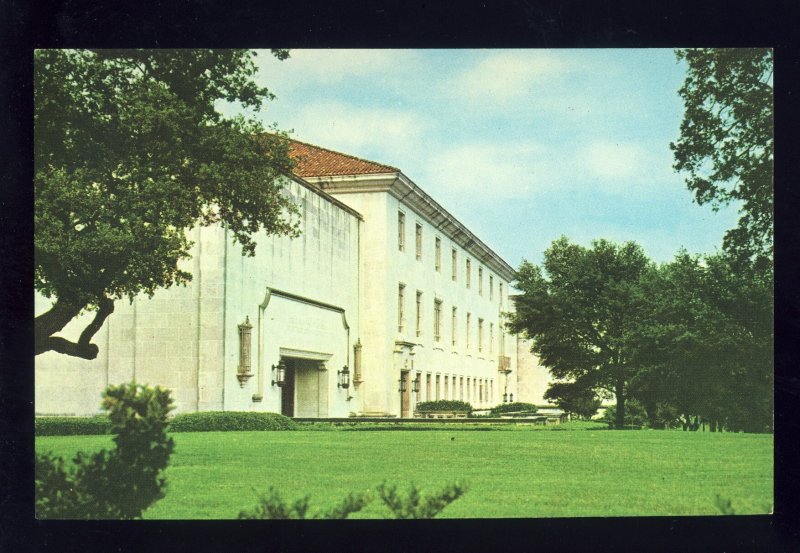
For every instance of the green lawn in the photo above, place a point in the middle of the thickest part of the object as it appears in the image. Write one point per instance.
(513, 473)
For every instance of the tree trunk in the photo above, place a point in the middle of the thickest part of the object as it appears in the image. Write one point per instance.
(620, 393)
(54, 320)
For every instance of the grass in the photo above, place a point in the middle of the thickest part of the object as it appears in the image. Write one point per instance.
(510, 473)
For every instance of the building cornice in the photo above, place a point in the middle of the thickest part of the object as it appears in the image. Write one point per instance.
(408, 193)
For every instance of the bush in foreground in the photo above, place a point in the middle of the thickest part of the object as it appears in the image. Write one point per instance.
(272, 506)
(223, 421)
(116, 484)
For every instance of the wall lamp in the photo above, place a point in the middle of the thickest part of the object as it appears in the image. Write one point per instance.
(280, 373)
(415, 385)
(402, 385)
(344, 378)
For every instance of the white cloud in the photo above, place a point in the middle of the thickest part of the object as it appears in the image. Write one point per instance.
(613, 160)
(508, 75)
(353, 129)
(493, 171)
(327, 67)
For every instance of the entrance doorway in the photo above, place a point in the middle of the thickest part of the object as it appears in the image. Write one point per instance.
(405, 394)
(305, 388)
(287, 391)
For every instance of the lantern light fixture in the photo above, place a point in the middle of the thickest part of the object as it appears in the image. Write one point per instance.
(402, 385)
(280, 373)
(344, 378)
(415, 385)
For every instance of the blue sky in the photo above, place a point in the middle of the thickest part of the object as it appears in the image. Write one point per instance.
(521, 146)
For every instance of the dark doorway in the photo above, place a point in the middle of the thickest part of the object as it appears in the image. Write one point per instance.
(405, 394)
(287, 391)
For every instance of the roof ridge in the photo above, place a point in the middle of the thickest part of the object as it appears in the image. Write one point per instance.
(344, 154)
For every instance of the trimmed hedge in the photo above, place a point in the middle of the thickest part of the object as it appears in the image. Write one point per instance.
(207, 421)
(215, 421)
(518, 407)
(443, 405)
(72, 426)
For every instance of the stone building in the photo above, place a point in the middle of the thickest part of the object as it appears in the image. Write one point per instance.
(383, 301)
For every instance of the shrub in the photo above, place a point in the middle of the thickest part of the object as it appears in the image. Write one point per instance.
(415, 506)
(211, 421)
(71, 426)
(444, 405)
(120, 483)
(272, 506)
(514, 408)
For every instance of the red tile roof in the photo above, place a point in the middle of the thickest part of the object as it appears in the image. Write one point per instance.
(314, 161)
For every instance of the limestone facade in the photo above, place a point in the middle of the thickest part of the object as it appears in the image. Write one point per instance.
(382, 283)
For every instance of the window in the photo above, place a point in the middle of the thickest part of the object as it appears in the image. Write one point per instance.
(469, 317)
(401, 300)
(469, 272)
(437, 320)
(437, 387)
(455, 264)
(438, 255)
(501, 295)
(480, 334)
(428, 387)
(401, 231)
(453, 326)
(419, 313)
(491, 288)
(491, 337)
(480, 281)
(446, 387)
(468, 388)
(461, 388)
(419, 241)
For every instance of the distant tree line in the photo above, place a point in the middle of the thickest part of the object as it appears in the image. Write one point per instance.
(687, 342)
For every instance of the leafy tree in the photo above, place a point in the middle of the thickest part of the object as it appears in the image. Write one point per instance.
(574, 398)
(130, 153)
(705, 345)
(117, 484)
(580, 311)
(726, 141)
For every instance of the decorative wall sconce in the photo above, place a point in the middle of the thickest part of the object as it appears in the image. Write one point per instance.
(505, 398)
(344, 378)
(280, 373)
(402, 384)
(511, 398)
(415, 385)
(245, 334)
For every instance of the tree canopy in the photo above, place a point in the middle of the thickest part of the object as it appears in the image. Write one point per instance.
(580, 310)
(705, 344)
(726, 141)
(130, 153)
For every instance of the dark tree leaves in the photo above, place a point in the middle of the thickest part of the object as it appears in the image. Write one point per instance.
(726, 141)
(129, 154)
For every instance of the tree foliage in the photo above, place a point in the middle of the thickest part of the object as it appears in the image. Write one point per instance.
(117, 484)
(130, 153)
(273, 507)
(705, 346)
(580, 310)
(726, 140)
(574, 398)
(414, 505)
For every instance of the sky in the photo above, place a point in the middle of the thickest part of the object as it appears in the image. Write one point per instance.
(522, 146)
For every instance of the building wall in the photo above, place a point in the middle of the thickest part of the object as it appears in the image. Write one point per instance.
(388, 350)
(532, 378)
(187, 338)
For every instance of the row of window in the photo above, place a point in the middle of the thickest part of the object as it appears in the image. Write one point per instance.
(472, 390)
(437, 322)
(401, 237)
